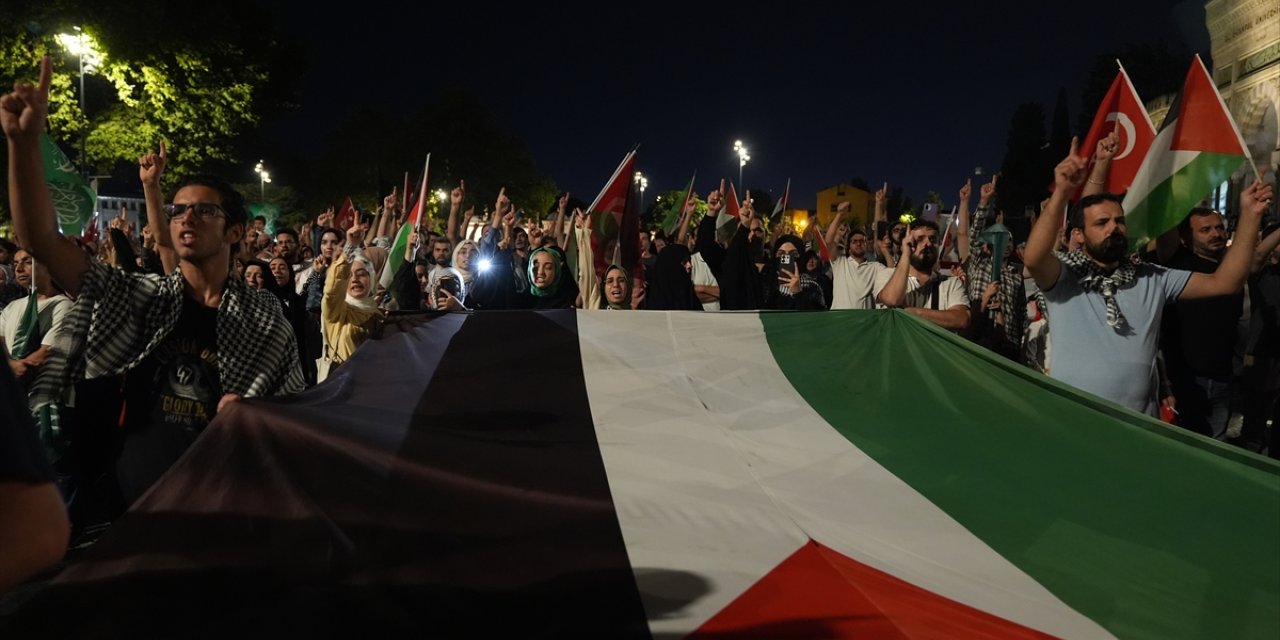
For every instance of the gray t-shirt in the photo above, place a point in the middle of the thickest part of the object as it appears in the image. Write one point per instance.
(1090, 355)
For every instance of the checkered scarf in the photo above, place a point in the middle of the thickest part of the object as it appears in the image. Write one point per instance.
(1094, 278)
(120, 318)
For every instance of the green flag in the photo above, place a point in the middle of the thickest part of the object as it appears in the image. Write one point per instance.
(73, 199)
(27, 338)
(672, 220)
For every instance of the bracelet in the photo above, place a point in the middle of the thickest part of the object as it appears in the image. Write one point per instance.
(1092, 181)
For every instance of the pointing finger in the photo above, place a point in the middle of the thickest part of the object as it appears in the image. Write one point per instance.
(1075, 144)
(164, 152)
(46, 75)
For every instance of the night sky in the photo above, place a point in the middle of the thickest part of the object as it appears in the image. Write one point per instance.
(914, 93)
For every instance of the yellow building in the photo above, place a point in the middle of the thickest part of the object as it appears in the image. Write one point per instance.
(862, 205)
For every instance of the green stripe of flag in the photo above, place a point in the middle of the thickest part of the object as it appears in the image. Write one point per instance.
(395, 258)
(1147, 529)
(1171, 200)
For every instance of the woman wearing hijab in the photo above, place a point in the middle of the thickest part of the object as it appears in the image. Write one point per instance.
(616, 290)
(815, 268)
(465, 258)
(670, 286)
(787, 286)
(349, 313)
(549, 283)
(283, 275)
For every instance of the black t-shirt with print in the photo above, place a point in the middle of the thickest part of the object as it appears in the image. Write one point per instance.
(170, 398)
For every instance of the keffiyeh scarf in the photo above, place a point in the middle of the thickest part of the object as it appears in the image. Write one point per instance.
(1093, 278)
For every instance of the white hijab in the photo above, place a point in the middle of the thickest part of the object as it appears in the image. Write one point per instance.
(368, 303)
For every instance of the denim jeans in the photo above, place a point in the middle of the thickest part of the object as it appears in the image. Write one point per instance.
(1203, 405)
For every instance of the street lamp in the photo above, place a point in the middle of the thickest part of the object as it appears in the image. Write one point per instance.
(263, 177)
(442, 196)
(743, 158)
(83, 48)
(643, 182)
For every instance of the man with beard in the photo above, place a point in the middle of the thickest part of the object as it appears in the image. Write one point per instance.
(914, 285)
(1198, 337)
(286, 246)
(1107, 310)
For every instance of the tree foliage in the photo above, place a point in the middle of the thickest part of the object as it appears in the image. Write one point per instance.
(465, 144)
(1154, 68)
(162, 74)
(1023, 177)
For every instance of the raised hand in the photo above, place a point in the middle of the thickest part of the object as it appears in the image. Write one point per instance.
(355, 233)
(562, 203)
(882, 196)
(151, 166)
(458, 194)
(908, 245)
(1106, 149)
(966, 191)
(987, 190)
(690, 204)
(502, 204)
(1072, 171)
(389, 203)
(715, 200)
(581, 220)
(1256, 199)
(842, 209)
(325, 220)
(791, 279)
(23, 112)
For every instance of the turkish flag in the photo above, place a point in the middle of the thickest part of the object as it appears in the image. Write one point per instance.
(347, 216)
(1121, 111)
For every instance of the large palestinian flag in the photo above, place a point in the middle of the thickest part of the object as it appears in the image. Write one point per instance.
(670, 474)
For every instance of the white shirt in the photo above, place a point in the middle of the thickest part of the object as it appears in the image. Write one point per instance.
(702, 276)
(854, 283)
(52, 311)
(951, 292)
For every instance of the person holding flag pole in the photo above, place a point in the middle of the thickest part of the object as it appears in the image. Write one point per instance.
(1116, 359)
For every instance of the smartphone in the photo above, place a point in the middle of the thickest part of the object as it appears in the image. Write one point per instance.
(451, 285)
(882, 229)
(787, 263)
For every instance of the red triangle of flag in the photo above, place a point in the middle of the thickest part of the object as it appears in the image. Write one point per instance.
(731, 205)
(819, 593)
(1202, 121)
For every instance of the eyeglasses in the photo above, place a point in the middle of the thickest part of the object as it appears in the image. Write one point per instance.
(203, 210)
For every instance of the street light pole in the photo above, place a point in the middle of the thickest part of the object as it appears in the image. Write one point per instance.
(263, 178)
(743, 158)
(80, 57)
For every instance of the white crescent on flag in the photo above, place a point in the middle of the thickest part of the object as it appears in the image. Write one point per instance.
(1126, 123)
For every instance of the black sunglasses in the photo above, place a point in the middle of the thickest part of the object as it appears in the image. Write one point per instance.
(204, 210)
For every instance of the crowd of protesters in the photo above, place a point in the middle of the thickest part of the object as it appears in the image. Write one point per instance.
(121, 350)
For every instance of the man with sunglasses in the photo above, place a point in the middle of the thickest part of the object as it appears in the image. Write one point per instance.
(191, 341)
